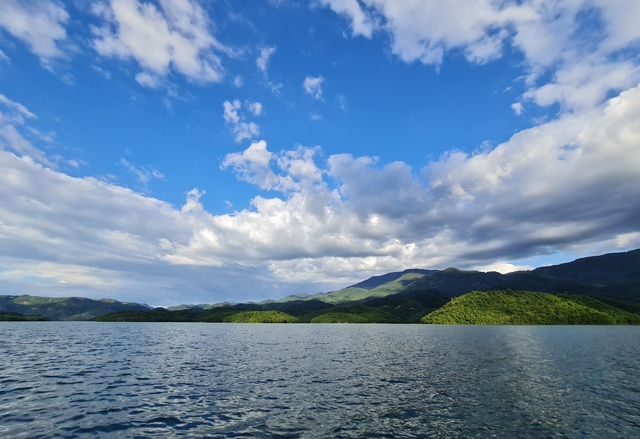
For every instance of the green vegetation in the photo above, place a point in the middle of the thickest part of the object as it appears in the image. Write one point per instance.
(339, 317)
(405, 297)
(154, 315)
(528, 308)
(216, 315)
(17, 317)
(374, 287)
(64, 308)
(351, 314)
(261, 317)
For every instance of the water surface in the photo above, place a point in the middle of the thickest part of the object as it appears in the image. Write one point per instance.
(86, 379)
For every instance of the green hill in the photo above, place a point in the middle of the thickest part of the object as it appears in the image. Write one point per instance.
(613, 278)
(65, 308)
(528, 308)
(374, 287)
(398, 297)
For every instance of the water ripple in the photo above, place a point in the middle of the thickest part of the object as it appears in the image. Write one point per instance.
(75, 380)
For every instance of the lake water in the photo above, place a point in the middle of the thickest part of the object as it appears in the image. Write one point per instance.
(87, 379)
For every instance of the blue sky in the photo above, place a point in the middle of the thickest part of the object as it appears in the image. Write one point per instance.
(175, 152)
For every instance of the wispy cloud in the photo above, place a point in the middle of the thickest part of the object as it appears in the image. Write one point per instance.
(144, 174)
(263, 59)
(312, 86)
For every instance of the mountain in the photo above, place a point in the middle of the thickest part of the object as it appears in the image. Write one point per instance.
(398, 297)
(614, 278)
(65, 308)
(528, 308)
(376, 286)
(403, 276)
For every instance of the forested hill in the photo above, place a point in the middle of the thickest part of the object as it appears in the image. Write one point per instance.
(528, 308)
(614, 278)
(65, 308)
(399, 297)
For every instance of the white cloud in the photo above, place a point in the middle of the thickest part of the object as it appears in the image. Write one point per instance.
(255, 108)
(144, 174)
(193, 202)
(234, 117)
(292, 170)
(567, 186)
(568, 60)
(313, 86)
(14, 136)
(253, 165)
(18, 111)
(263, 59)
(503, 267)
(174, 37)
(361, 23)
(231, 111)
(38, 23)
(517, 108)
(149, 80)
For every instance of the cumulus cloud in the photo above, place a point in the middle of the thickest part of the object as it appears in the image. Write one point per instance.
(39, 24)
(255, 108)
(569, 185)
(263, 59)
(517, 108)
(313, 86)
(568, 62)
(556, 186)
(253, 165)
(173, 37)
(290, 170)
(234, 116)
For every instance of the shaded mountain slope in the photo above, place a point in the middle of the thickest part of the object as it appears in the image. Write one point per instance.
(613, 277)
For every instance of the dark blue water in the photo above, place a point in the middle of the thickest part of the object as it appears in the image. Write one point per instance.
(68, 380)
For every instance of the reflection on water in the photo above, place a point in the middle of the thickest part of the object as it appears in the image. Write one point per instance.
(220, 380)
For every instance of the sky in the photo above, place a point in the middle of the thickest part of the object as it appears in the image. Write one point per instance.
(183, 151)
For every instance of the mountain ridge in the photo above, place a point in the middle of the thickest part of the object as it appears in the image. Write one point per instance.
(403, 296)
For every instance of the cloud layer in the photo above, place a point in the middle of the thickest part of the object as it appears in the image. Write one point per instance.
(569, 184)
(565, 185)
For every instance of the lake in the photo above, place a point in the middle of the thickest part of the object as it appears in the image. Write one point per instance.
(87, 379)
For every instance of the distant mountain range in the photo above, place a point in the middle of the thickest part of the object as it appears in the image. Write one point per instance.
(399, 297)
(64, 308)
